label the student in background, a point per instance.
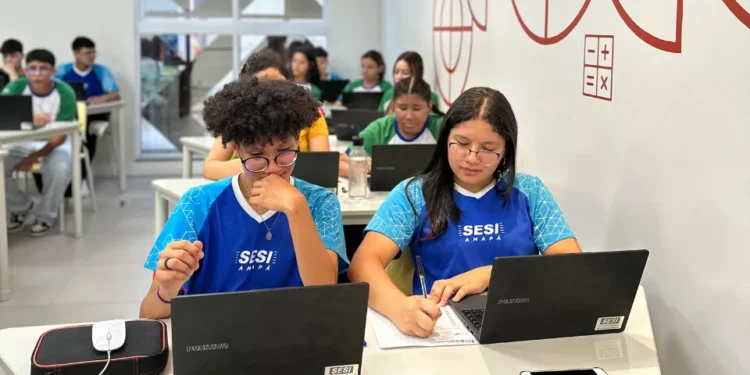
(305, 71)
(12, 67)
(99, 83)
(52, 101)
(412, 122)
(467, 207)
(408, 64)
(262, 228)
(373, 72)
(265, 65)
(321, 59)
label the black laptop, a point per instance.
(362, 100)
(350, 122)
(312, 330)
(550, 296)
(79, 88)
(392, 164)
(318, 168)
(14, 110)
(332, 89)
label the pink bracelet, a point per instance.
(160, 298)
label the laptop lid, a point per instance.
(15, 109)
(318, 168)
(350, 122)
(362, 100)
(332, 89)
(79, 88)
(549, 296)
(392, 164)
(274, 331)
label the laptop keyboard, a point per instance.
(474, 316)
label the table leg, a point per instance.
(161, 214)
(4, 268)
(187, 162)
(122, 167)
(76, 185)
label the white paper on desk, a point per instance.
(448, 332)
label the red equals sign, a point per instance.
(590, 80)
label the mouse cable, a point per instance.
(109, 353)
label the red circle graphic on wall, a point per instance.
(453, 24)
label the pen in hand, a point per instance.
(422, 280)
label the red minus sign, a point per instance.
(590, 77)
(589, 83)
(591, 51)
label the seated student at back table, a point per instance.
(305, 71)
(98, 82)
(265, 65)
(373, 74)
(52, 101)
(466, 208)
(409, 64)
(412, 122)
(12, 67)
(321, 60)
(262, 228)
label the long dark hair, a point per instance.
(412, 86)
(313, 74)
(414, 60)
(378, 58)
(438, 178)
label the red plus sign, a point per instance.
(605, 52)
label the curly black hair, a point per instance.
(263, 60)
(252, 111)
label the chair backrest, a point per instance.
(81, 114)
(401, 272)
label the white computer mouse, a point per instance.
(108, 335)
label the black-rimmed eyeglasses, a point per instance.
(257, 164)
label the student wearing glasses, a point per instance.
(51, 101)
(264, 65)
(467, 207)
(259, 229)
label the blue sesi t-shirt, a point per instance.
(237, 255)
(528, 224)
(96, 81)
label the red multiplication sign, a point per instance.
(598, 62)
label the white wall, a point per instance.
(53, 25)
(665, 165)
(356, 26)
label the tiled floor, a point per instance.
(58, 279)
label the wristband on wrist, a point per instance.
(160, 297)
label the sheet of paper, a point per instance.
(449, 331)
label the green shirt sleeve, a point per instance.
(387, 96)
(435, 100)
(67, 102)
(16, 87)
(385, 85)
(352, 85)
(316, 92)
(375, 133)
(434, 122)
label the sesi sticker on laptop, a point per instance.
(609, 323)
(342, 370)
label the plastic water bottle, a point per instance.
(357, 169)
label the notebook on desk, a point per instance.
(15, 110)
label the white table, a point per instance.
(52, 130)
(202, 145)
(632, 352)
(109, 107)
(353, 212)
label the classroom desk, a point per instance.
(202, 145)
(119, 134)
(52, 130)
(353, 212)
(632, 352)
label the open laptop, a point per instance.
(14, 110)
(332, 89)
(392, 164)
(79, 88)
(550, 296)
(318, 168)
(350, 122)
(362, 100)
(306, 330)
